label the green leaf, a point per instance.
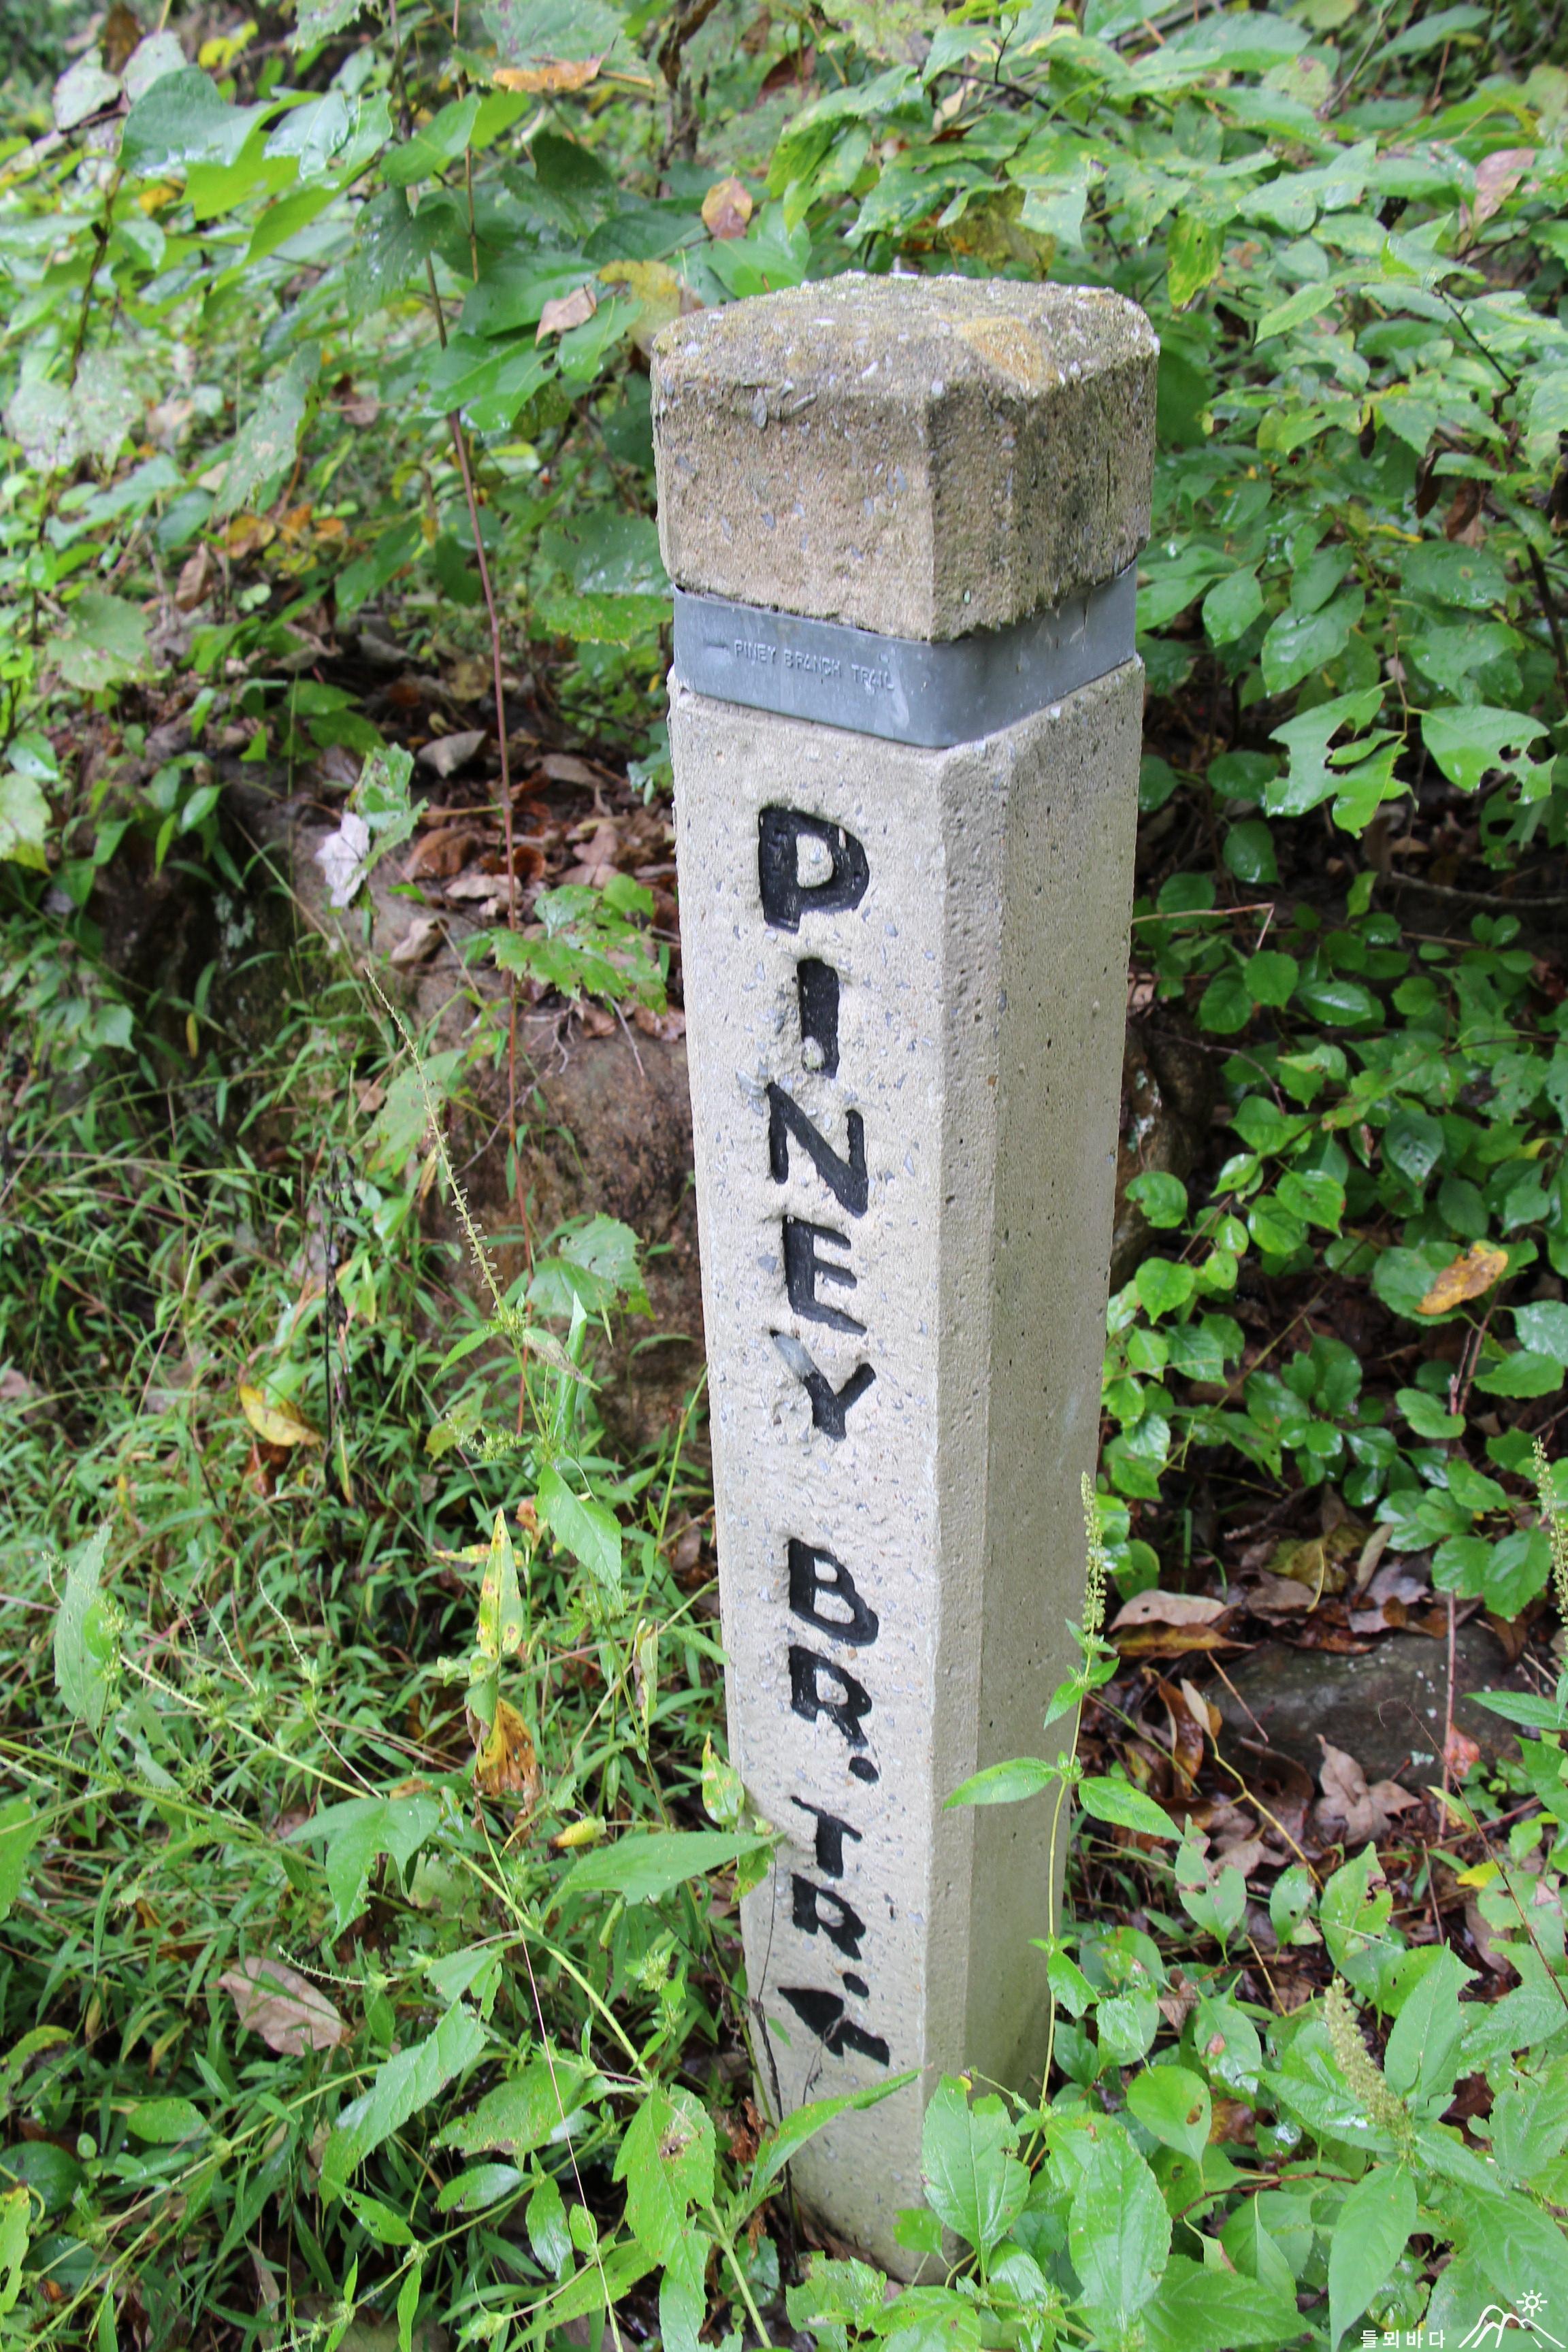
(20, 1830)
(1231, 607)
(1297, 308)
(105, 642)
(526, 2112)
(805, 2122)
(24, 821)
(1370, 2234)
(1423, 2058)
(1249, 851)
(182, 120)
(1226, 1005)
(1195, 2309)
(1523, 1374)
(1299, 643)
(358, 1833)
(589, 1530)
(649, 1864)
(15, 2209)
(1162, 1197)
(666, 2162)
(87, 1634)
(1271, 976)
(403, 2084)
(1117, 1803)
(537, 32)
(1333, 999)
(1542, 1327)
(1119, 2231)
(1161, 1284)
(1193, 255)
(442, 140)
(973, 2178)
(1174, 2105)
(264, 447)
(1471, 742)
(1006, 1784)
(166, 2122)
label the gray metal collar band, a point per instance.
(902, 688)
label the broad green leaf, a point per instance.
(105, 642)
(358, 1833)
(24, 821)
(588, 1529)
(807, 2122)
(1231, 607)
(666, 2162)
(1542, 1327)
(166, 2122)
(1192, 257)
(264, 446)
(87, 1634)
(1119, 1802)
(1119, 2231)
(1006, 1784)
(973, 2178)
(427, 153)
(1521, 1374)
(1297, 309)
(1299, 643)
(86, 88)
(403, 2084)
(15, 2211)
(1195, 2309)
(1471, 742)
(182, 120)
(1371, 2231)
(529, 2110)
(1174, 2105)
(20, 1830)
(647, 1866)
(1422, 2060)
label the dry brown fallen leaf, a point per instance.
(283, 2007)
(567, 310)
(1497, 177)
(276, 1424)
(448, 753)
(1365, 1811)
(417, 941)
(726, 209)
(1471, 1274)
(1278, 1596)
(1167, 1609)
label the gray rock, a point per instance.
(1386, 1709)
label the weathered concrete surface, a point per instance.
(921, 457)
(895, 1596)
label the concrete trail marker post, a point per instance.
(901, 516)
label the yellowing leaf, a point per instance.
(275, 1424)
(551, 74)
(504, 1761)
(1470, 1274)
(726, 209)
(500, 1601)
(587, 1832)
(659, 294)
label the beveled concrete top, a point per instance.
(918, 456)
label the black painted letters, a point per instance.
(846, 1178)
(807, 1586)
(780, 831)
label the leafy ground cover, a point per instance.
(369, 1862)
